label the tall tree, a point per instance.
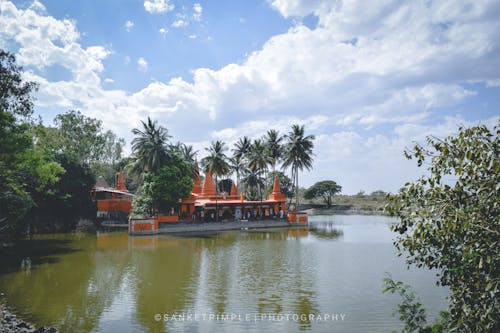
(188, 153)
(298, 154)
(236, 165)
(454, 226)
(274, 148)
(150, 147)
(254, 182)
(25, 173)
(162, 191)
(240, 151)
(242, 147)
(82, 139)
(217, 163)
(258, 160)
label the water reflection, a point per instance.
(112, 282)
(327, 230)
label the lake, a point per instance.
(328, 278)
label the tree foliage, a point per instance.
(325, 189)
(163, 190)
(150, 147)
(411, 311)
(449, 220)
(24, 172)
(82, 139)
(298, 154)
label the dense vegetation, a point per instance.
(46, 173)
(449, 220)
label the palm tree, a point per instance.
(242, 147)
(298, 154)
(240, 151)
(216, 163)
(252, 178)
(236, 165)
(188, 153)
(257, 158)
(150, 147)
(274, 148)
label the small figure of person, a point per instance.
(282, 214)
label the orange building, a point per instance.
(113, 204)
(205, 205)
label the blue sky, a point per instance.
(367, 78)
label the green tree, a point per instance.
(15, 94)
(274, 148)
(449, 220)
(150, 147)
(257, 162)
(163, 190)
(82, 139)
(325, 189)
(236, 165)
(217, 163)
(254, 182)
(172, 183)
(240, 151)
(298, 154)
(24, 172)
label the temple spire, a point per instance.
(276, 186)
(121, 182)
(234, 191)
(208, 185)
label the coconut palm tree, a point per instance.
(253, 180)
(240, 151)
(188, 153)
(274, 148)
(216, 163)
(236, 165)
(257, 157)
(242, 147)
(298, 154)
(150, 147)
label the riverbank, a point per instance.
(213, 227)
(9, 323)
(348, 211)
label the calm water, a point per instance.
(115, 283)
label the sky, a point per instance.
(367, 78)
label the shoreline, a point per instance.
(211, 227)
(10, 323)
(352, 211)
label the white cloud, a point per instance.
(129, 25)
(38, 6)
(163, 31)
(197, 11)
(142, 64)
(393, 64)
(158, 6)
(180, 23)
(193, 36)
(109, 80)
